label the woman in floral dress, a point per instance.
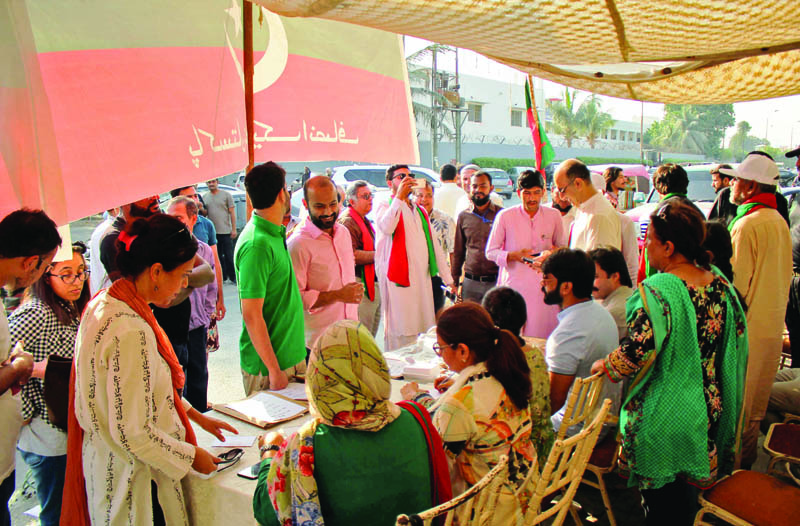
(687, 354)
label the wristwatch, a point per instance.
(271, 447)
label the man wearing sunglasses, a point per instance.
(28, 242)
(407, 256)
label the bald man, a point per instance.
(596, 223)
(323, 261)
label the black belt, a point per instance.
(482, 279)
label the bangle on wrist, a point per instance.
(265, 449)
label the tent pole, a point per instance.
(248, 89)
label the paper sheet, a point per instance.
(396, 367)
(295, 391)
(267, 408)
(232, 440)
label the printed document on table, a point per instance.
(295, 391)
(266, 407)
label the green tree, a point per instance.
(691, 128)
(565, 121)
(709, 119)
(593, 122)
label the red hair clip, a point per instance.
(127, 239)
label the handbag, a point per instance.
(56, 389)
(212, 336)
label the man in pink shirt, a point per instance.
(323, 261)
(528, 231)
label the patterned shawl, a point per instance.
(348, 386)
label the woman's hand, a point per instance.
(39, 369)
(443, 382)
(204, 462)
(214, 425)
(410, 390)
(273, 438)
(597, 366)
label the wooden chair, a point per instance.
(473, 507)
(750, 498)
(783, 446)
(581, 403)
(563, 472)
(602, 462)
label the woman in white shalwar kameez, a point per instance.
(135, 438)
(407, 311)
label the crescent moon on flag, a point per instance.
(273, 62)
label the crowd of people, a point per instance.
(539, 294)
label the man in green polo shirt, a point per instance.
(272, 340)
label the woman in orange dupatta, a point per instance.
(129, 440)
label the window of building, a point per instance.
(638, 137)
(632, 136)
(517, 118)
(613, 134)
(475, 112)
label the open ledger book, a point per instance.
(263, 409)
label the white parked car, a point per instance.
(374, 174)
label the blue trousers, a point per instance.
(195, 390)
(49, 475)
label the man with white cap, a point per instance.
(762, 270)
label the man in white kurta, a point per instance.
(597, 223)
(407, 311)
(124, 402)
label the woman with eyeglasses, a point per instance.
(129, 439)
(47, 324)
(687, 356)
(485, 413)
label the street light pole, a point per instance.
(434, 114)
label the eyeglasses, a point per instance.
(366, 197)
(438, 348)
(562, 190)
(229, 458)
(70, 279)
(402, 176)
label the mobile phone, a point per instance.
(251, 472)
(448, 294)
(530, 259)
(419, 183)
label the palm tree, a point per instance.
(680, 132)
(593, 121)
(565, 121)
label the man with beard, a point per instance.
(28, 243)
(564, 206)
(472, 233)
(762, 273)
(407, 255)
(464, 202)
(521, 237)
(322, 256)
(143, 208)
(586, 331)
(271, 342)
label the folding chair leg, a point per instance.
(606, 500)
